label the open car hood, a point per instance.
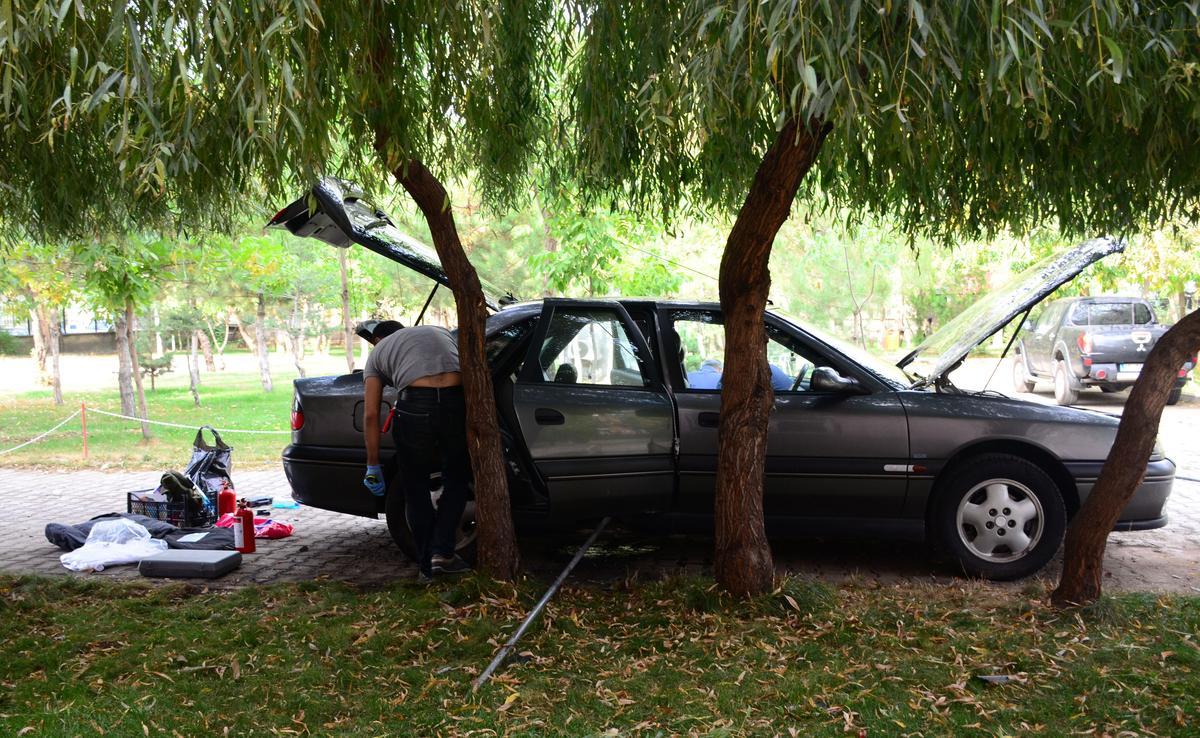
(947, 347)
(340, 216)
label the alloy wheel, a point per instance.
(1000, 520)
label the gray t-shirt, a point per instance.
(412, 353)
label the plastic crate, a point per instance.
(181, 514)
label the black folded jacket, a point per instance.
(71, 537)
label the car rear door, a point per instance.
(594, 413)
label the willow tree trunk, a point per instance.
(742, 560)
(498, 553)
(41, 338)
(158, 342)
(54, 346)
(137, 372)
(124, 367)
(550, 243)
(1083, 559)
(206, 348)
(296, 335)
(260, 343)
(194, 366)
(248, 334)
(347, 327)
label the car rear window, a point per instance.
(1110, 313)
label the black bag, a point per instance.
(210, 465)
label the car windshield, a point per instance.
(860, 356)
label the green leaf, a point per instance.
(809, 76)
(1118, 58)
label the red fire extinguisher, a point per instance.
(243, 532)
(226, 500)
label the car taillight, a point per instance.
(1085, 343)
(297, 415)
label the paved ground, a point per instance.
(359, 550)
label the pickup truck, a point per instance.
(1083, 342)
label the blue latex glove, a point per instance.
(374, 480)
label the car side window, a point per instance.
(589, 346)
(701, 337)
(1048, 320)
(503, 346)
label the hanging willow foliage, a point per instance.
(118, 112)
(955, 118)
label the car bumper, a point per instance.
(1146, 508)
(1111, 375)
(330, 478)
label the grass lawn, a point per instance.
(88, 658)
(229, 399)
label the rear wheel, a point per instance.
(397, 523)
(1066, 386)
(999, 516)
(1022, 382)
(1175, 396)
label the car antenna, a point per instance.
(427, 301)
(1008, 346)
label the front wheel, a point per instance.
(1175, 396)
(999, 516)
(1022, 382)
(397, 523)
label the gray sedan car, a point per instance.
(611, 407)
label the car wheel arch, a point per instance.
(1030, 452)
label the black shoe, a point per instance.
(452, 564)
(423, 578)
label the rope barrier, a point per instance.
(180, 425)
(37, 438)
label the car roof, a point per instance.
(1102, 299)
(651, 302)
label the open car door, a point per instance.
(594, 412)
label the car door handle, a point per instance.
(709, 420)
(547, 416)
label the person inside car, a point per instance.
(429, 424)
(708, 376)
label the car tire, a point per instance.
(1066, 386)
(1022, 382)
(1175, 396)
(1016, 498)
(397, 523)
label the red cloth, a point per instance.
(263, 527)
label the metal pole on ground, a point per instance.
(537, 609)
(83, 416)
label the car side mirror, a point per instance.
(825, 379)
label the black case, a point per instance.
(189, 563)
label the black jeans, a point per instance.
(430, 431)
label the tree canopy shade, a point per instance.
(189, 110)
(952, 119)
(183, 109)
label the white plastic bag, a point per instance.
(113, 542)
